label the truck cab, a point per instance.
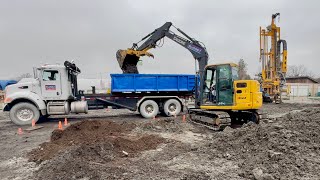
(53, 91)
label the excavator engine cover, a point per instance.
(127, 62)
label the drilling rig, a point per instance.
(273, 58)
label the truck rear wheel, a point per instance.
(23, 113)
(172, 107)
(149, 109)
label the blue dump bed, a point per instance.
(152, 83)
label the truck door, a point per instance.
(50, 84)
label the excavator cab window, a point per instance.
(209, 94)
(235, 75)
(225, 78)
(218, 85)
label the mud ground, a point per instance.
(119, 144)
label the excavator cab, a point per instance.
(226, 100)
(223, 90)
(218, 86)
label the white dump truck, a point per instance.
(54, 91)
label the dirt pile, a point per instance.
(74, 152)
(288, 148)
(82, 133)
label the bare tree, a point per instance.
(242, 72)
(25, 75)
(299, 70)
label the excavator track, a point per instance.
(214, 120)
(218, 120)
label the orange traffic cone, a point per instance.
(184, 118)
(66, 122)
(60, 126)
(20, 131)
(33, 123)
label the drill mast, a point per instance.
(274, 60)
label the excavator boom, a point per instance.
(129, 58)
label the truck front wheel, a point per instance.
(149, 109)
(172, 107)
(23, 113)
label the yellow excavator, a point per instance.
(273, 59)
(220, 98)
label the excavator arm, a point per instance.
(129, 58)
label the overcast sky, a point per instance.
(34, 32)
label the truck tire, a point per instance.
(149, 109)
(23, 113)
(172, 107)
